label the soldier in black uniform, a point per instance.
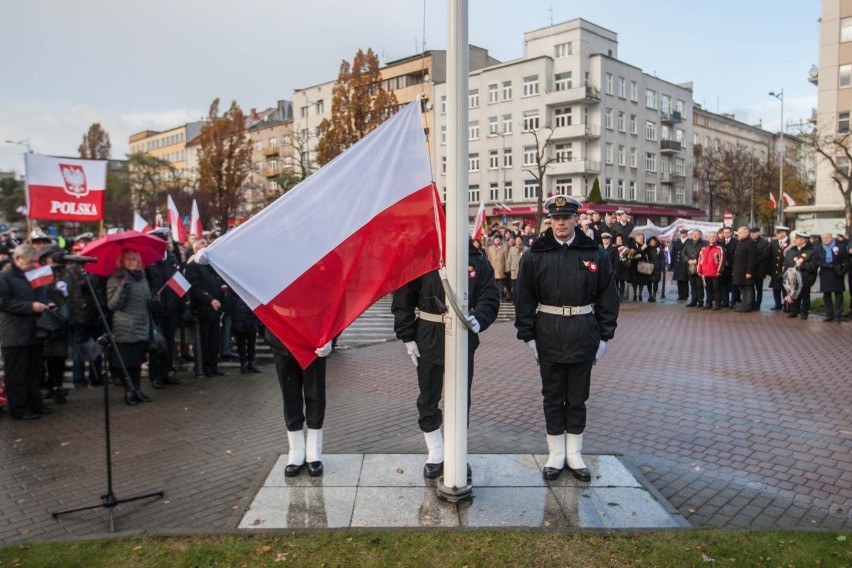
(680, 272)
(566, 309)
(799, 256)
(166, 307)
(424, 341)
(777, 247)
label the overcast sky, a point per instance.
(155, 64)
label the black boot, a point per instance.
(252, 367)
(130, 398)
(59, 395)
(141, 396)
(244, 368)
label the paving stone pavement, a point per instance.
(739, 420)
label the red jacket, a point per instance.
(711, 261)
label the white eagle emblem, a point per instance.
(75, 180)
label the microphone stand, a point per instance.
(107, 341)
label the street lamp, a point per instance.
(780, 96)
(24, 142)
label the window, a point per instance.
(608, 83)
(845, 79)
(473, 98)
(634, 92)
(531, 120)
(320, 106)
(564, 152)
(288, 161)
(650, 192)
(665, 104)
(622, 88)
(493, 192)
(258, 145)
(619, 193)
(667, 194)
(665, 133)
(845, 30)
(492, 125)
(530, 189)
(634, 124)
(679, 106)
(493, 159)
(286, 139)
(650, 130)
(443, 135)
(562, 50)
(507, 157)
(842, 122)
(473, 130)
(273, 142)
(473, 163)
(609, 153)
(507, 90)
(608, 187)
(507, 191)
(529, 155)
(665, 165)
(444, 104)
(473, 194)
(507, 124)
(258, 167)
(651, 99)
(563, 186)
(680, 195)
(562, 116)
(680, 167)
(650, 162)
(608, 119)
(562, 81)
(493, 93)
(620, 122)
(634, 159)
(303, 112)
(444, 165)
(679, 136)
(621, 161)
(530, 85)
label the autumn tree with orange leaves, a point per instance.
(359, 104)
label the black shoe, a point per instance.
(171, 381)
(841, 319)
(117, 381)
(130, 399)
(26, 416)
(433, 470)
(45, 410)
(793, 315)
(244, 369)
(691, 305)
(717, 308)
(217, 372)
(699, 305)
(293, 470)
(157, 384)
(826, 320)
(253, 368)
(315, 468)
(582, 474)
(803, 316)
(141, 396)
(775, 308)
(707, 307)
(59, 395)
(551, 473)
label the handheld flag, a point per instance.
(479, 222)
(179, 284)
(175, 225)
(195, 224)
(41, 276)
(65, 189)
(362, 226)
(140, 224)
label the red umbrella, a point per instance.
(109, 248)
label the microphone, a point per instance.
(79, 259)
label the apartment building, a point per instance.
(609, 120)
(169, 145)
(273, 152)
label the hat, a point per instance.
(87, 236)
(619, 212)
(782, 228)
(754, 230)
(682, 231)
(591, 212)
(803, 234)
(606, 236)
(562, 205)
(516, 222)
(161, 232)
(54, 251)
(37, 235)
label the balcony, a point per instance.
(574, 167)
(270, 151)
(589, 95)
(272, 172)
(671, 178)
(577, 131)
(670, 146)
(670, 117)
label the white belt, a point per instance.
(565, 310)
(437, 318)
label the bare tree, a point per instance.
(708, 177)
(543, 159)
(96, 144)
(836, 149)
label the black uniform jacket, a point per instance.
(776, 260)
(427, 294)
(578, 274)
(206, 287)
(807, 268)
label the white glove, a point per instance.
(413, 351)
(531, 345)
(601, 349)
(474, 325)
(323, 351)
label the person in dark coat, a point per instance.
(423, 337)
(743, 268)
(680, 272)
(55, 350)
(800, 257)
(206, 294)
(691, 251)
(730, 292)
(622, 226)
(653, 253)
(166, 308)
(244, 327)
(761, 268)
(832, 261)
(777, 248)
(639, 280)
(86, 324)
(610, 249)
(566, 309)
(20, 307)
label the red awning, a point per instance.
(645, 210)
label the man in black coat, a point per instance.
(20, 306)
(743, 269)
(831, 259)
(691, 250)
(761, 268)
(424, 341)
(622, 226)
(800, 257)
(730, 292)
(776, 263)
(566, 309)
(206, 294)
(680, 269)
(166, 307)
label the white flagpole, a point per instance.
(454, 486)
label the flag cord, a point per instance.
(451, 298)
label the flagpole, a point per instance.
(454, 486)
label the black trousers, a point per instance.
(778, 295)
(55, 371)
(160, 364)
(833, 309)
(303, 392)
(682, 289)
(729, 291)
(246, 342)
(23, 368)
(696, 286)
(210, 339)
(713, 286)
(746, 297)
(430, 378)
(565, 388)
(802, 304)
(758, 294)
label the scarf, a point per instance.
(829, 255)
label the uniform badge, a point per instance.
(471, 272)
(560, 202)
(590, 265)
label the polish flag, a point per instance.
(140, 224)
(65, 189)
(178, 284)
(175, 225)
(788, 200)
(362, 226)
(158, 221)
(772, 201)
(195, 224)
(480, 221)
(40, 276)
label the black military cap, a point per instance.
(562, 205)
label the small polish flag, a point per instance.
(158, 221)
(175, 225)
(140, 224)
(179, 284)
(772, 201)
(365, 224)
(40, 276)
(788, 200)
(479, 222)
(195, 224)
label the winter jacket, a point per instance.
(761, 268)
(165, 303)
(497, 258)
(711, 261)
(745, 262)
(679, 267)
(831, 274)
(807, 267)
(17, 319)
(514, 261)
(206, 287)
(555, 274)
(128, 295)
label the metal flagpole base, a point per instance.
(454, 494)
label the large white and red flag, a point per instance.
(176, 227)
(479, 222)
(195, 224)
(67, 189)
(140, 224)
(362, 226)
(787, 199)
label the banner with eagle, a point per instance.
(65, 189)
